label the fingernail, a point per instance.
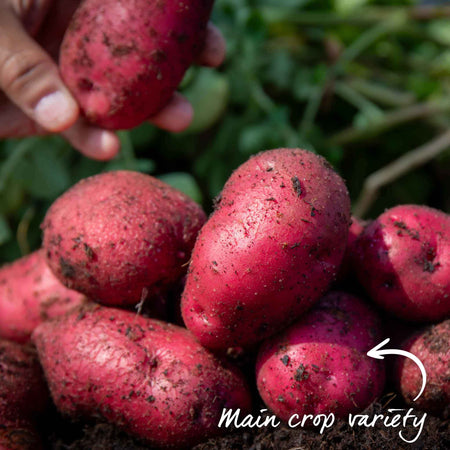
(56, 111)
(102, 145)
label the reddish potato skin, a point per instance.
(120, 235)
(403, 261)
(319, 364)
(23, 395)
(347, 267)
(269, 251)
(124, 59)
(151, 378)
(432, 347)
(30, 294)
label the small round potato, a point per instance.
(432, 347)
(403, 261)
(319, 364)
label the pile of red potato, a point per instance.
(86, 316)
(260, 274)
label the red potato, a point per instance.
(121, 236)
(347, 266)
(30, 294)
(432, 347)
(124, 59)
(319, 364)
(269, 251)
(403, 261)
(152, 379)
(23, 396)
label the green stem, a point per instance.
(391, 120)
(268, 106)
(366, 39)
(353, 97)
(381, 94)
(321, 19)
(260, 97)
(311, 110)
(127, 150)
(22, 231)
(369, 37)
(367, 17)
(396, 169)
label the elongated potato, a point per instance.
(152, 379)
(270, 249)
(124, 59)
(30, 294)
(120, 237)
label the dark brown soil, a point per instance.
(62, 435)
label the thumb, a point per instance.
(30, 78)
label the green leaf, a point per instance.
(86, 168)
(138, 165)
(346, 6)
(126, 160)
(44, 171)
(208, 95)
(281, 68)
(5, 230)
(440, 30)
(185, 183)
(303, 83)
(142, 135)
(421, 85)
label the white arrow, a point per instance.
(378, 354)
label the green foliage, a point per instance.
(184, 182)
(335, 76)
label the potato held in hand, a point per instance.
(270, 249)
(119, 236)
(151, 378)
(124, 59)
(29, 294)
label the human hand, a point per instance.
(33, 97)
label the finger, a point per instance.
(214, 50)
(14, 123)
(31, 13)
(30, 78)
(176, 116)
(92, 142)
